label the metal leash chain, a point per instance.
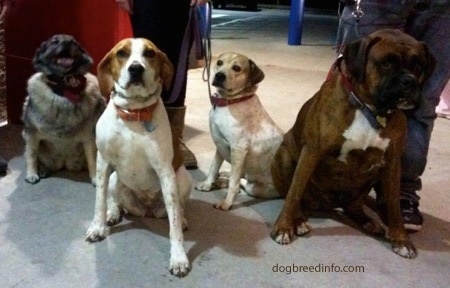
(357, 14)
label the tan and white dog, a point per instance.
(244, 133)
(134, 163)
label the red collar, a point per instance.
(70, 86)
(222, 102)
(141, 115)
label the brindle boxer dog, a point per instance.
(350, 136)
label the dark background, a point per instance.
(325, 4)
(320, 4)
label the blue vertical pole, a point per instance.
(296, 22)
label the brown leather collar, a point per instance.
(142, 115)
(222, 102)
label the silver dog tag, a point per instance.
(149, 126)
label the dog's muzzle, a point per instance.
(219, 79)
(410, 86)
(68, 57)
(401, 92)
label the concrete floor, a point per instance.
(42, 226)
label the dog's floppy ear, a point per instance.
(166, 70)
(256, 74)
(104, 74)
(355, 57)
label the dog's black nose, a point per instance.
(219, 78)
(136, 69)
(408, 81)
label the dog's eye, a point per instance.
(390, 62)
(386, 64)
(219, 63)
(150, 53)
(236, 68)
(122, 54)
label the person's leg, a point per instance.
(164, 23)
(432, 26)
(373, 15)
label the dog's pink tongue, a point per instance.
(72, 97)
(65, 61)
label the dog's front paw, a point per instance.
(32, 179)
(203, 186)
(179, 264)
(283, 231)
(96, 232)
(302, 227)
(404, 248)
(113, 217)
(223, 205)
(282, 236)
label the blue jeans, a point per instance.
(427, 21)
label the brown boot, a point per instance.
(182, 153)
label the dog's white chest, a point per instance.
(361, 135)
(135, 153)
(241, 125)
(245, 126)
(223, 125)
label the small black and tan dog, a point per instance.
(60, 112)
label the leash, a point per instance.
(192, 34)
(207, 45)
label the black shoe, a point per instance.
(3, 166)
(409, 206)
(412, 218)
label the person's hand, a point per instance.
(126, 5)
(4, 6)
